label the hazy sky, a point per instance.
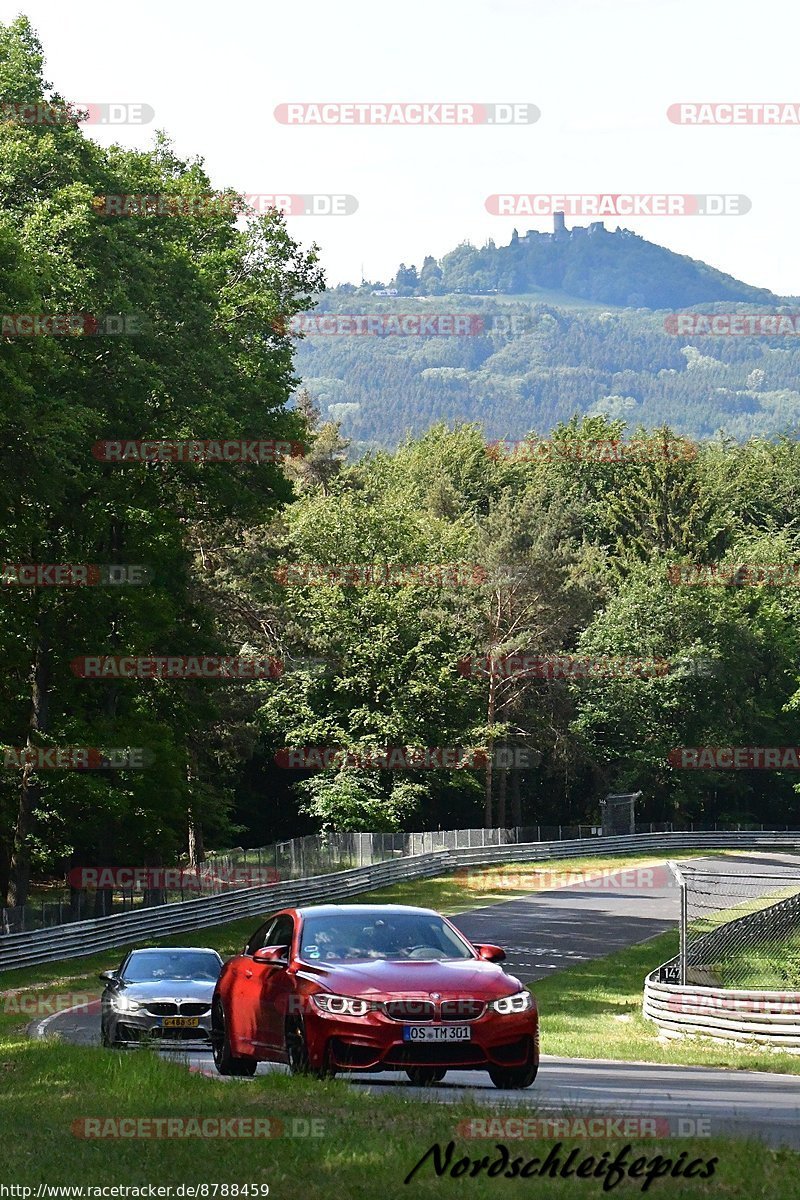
(602, 73)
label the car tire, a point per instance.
(298, 1056)
(513, 1078)
(425, 1076)
(224, 1060)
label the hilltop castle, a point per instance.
(561, 233)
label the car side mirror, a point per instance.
(108, 976)
(275, 956)
(491, 953)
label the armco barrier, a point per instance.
(729, 1014)
(733, 1015)
(87, 937)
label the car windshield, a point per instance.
(149, 966)
(396, 936)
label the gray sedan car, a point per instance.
(161, 995)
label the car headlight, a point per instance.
(518, 1003)
(342, 1005)
(123, 1003)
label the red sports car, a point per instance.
(385, 987)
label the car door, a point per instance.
(274, 983)
(241, 990)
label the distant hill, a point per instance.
(570, 322)
(586, 262)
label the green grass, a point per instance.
(772, 967)
(367, 1146)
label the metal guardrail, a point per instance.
(82, 938)
(730, 1014)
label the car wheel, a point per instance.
(225, 1062)
(425, 1076)
(297, 1054)
(512, 1078)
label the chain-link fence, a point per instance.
(740, 930)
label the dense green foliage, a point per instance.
(557, 556)
(205, 361)
(540, 358)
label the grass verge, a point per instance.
(363, 1149)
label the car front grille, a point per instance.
(461, 1010)
(169, 1008)
(410, 1010)
(426, 1010)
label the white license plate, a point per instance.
(436, 1033)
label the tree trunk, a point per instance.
(516, 798)
(4, 870)
(487, 810)
(20, 873)
(197, 853)
(501, 797)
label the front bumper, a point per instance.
(376, 1043)
(133, 1029)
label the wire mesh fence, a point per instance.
(740, 930)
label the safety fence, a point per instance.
(696, 992)
(88, 937)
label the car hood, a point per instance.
(171, 989)
(473, 978)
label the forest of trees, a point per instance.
(533, 365)
(559, 555)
